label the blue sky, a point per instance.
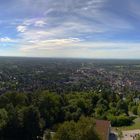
(70, 28)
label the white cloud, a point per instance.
(40, 23)
(50, 44)
(6, 40)
(21, 28)
(37, 22)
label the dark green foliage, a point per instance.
(122, 107)
(84, 129)
(49, 107)
(3, 118)
(120, 120)
(26, 116)
(134, 110)
(32, 124)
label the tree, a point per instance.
(14, 125)
(99, 113)
(3, 121)
(120, 120)
(122, 107)
(84, 129)
(49, 107)
(3, 118)
(134, 110)
(32, 123)
(67, 131)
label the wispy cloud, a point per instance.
(98, 27)
(6, 40)
(21, 28)
(40, 23)
(50, 44)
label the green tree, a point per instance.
(67, 131)
(3, 118)
(122, 107)
(99, 112)
(134, 110)
(49, 107)
(32, 123)
(84, 129)
(119, 120)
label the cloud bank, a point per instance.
(72, 28)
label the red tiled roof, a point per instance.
(102, 128)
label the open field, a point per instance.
(135, 125)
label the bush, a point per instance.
(134, 110)
(120, 120)
(84, 129)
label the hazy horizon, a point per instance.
(77, 58)
(95, 29)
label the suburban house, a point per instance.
(103, 128)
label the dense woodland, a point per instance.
(40, 96)
(29, 115)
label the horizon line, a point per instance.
(70, 58)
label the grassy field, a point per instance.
(135, 125)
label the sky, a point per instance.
(70, 28)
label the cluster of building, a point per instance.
(117, 80)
